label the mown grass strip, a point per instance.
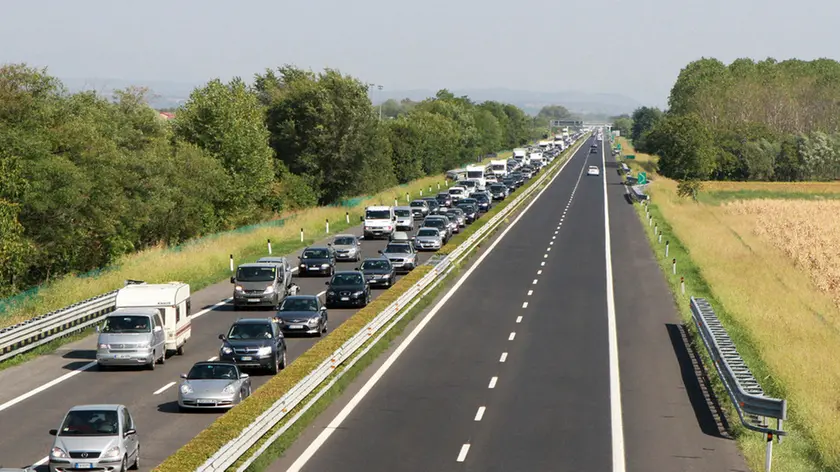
(797, 453)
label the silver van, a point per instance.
(131, 336)
(259, 284)
(95, 437)
(283, 263)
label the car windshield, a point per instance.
(347, 279)
(212, 372)
(376, 265)
(467, 208)
(481, 197)
(90, 423)
(418, 204)
(403, 213)
(299, 304)
(378, 215)
(443, 196)
(344, 241)
(427, 232)
(127, 324)
(435, 223)
(468, 183)
(250, 331)
(316, 254)
(397, 249)
(256, 274)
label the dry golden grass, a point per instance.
(781, 187)
(750, 253)
(642, 162)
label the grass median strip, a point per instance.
(717, 263)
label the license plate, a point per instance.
(83, 465)
(314, 268)
(246, 358)
(206, 402)
(122, 356)
(345, 299)
(253, 300)
(296, 326)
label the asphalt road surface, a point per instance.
(36, 395)
(517, 368)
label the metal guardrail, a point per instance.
(28, 335)
(753, 406)
(235, 449)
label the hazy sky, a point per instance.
(635, 48)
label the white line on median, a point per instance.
(493, 381)
(322, 438)
(617, 422)
(480, 413)
(463, 454)
(503, 357)
(211, 308)
(512, 336)
(162, 389)
(321, 293)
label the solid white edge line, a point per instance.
(480, 413)
(213, 359)
(503, 357)
(492, 383)
(47, 385)
(616, 416)
(319, 441)
(162, 389)
(463, 454)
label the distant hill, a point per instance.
(166, 94)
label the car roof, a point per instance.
(213, 363)
(271, 259)
(403, 207)
(345, 236)
(98, 406)
(380, 207)
(316, 247)
(257, 264)
(419, 201)
(252, 321)
(377, 258)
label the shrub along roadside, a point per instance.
(797, 453)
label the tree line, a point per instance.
(85, 179)
(765, 121)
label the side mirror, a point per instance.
(158, 329)
(358, 268)
(379, 251)
(53, 432)
(323, 308)
(361, 218)
(130, 432)
(244, 376)
(222, 337)
(326, 283)
(183, 376)
(233, 280)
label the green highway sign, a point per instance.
(630, 156)
(642, 178)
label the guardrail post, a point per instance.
(667, 243)
(269, 247)
(231, 262)
(328, 226)
(674, 262)
(301, 235)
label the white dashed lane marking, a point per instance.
(492, 383)
(512, 336)
(503, 357)
(480, 413)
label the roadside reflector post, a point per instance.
(406, 197)
(438, 185)
(682, 285)
(430, 188)
(667, 244)
(347, 217)
(674, 266)
(231, 262)
(768, 453)
(655, 229)
(396, 202)
(660, 238)
(301, 235)
(269, 247)
(328, 226)
(421, 192)
(650, 220)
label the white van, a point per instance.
(172, 300)
(380, 221)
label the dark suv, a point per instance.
(317, 260)
(348, 288)
(254, 342)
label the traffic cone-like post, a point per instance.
(269, 247)
(231, 262)
(674, 266)
(328, 226)
(347, 217)
(667, 244)
(682, 285)
(301, 235)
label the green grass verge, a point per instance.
(797, 452)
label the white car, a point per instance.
(593, 170)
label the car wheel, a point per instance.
(163, 357)
(275, 366)
(283, 362)
(136, 465)
(319, 333)
(325, 326)
(151, 365)
(180, 350)
(124, 464)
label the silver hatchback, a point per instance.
(98, 437)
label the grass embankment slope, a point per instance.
(205, 261)
(768, 257)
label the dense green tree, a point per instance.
(623, 124)
(685, 147)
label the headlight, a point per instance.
(104, 346)
(330, 293)
(186, 389)
(264, 351)
(238, 288)
(352, 250)
(111, 453)
(226, 350)
(143, 346)
(313, 321)
(269, 289)
(358, 293)
(324, 266)
(229, 390)
(58, 453)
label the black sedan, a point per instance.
(483, 201)
(379, 272)
(302, 314)
(317, 261)
(348, 288)
(470, 211)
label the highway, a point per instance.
(36, 395)
(556, 351)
